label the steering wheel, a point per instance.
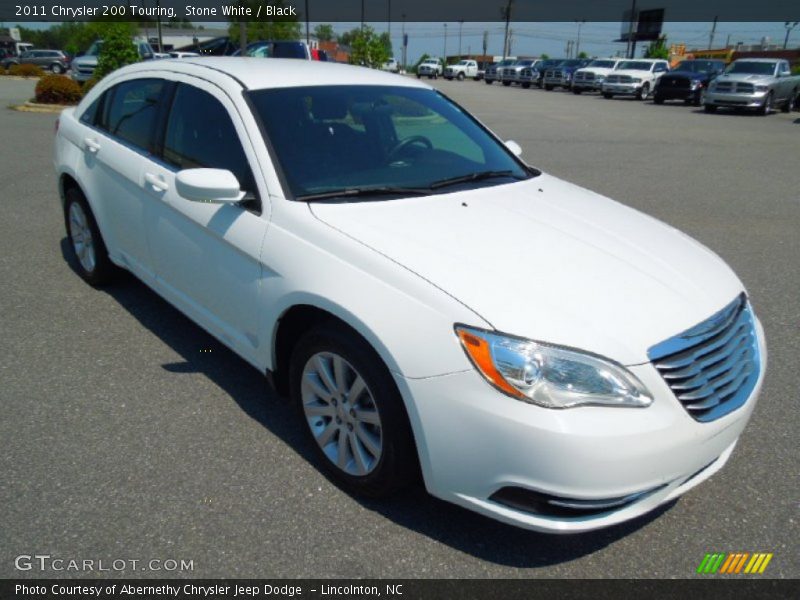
(403, 144)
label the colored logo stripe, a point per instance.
(730, 564)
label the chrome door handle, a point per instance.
(91, 145)
(159, 185)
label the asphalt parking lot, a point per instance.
(129, 433)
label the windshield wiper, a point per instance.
(366, 191)
(474, 177)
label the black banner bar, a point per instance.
(338, 11)
(711, 588)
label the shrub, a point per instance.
(796, 70)
(26, 71)
(118, 49)
(57, 89)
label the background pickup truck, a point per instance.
(755, 83)
(464, 68)
(430, 68)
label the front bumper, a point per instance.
(474, 442)
(81, 76)
(557, 81)
(670, 93)
(623, 89)
(736, 100)
(588, 86)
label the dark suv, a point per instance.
(688, 81)
(50, 60)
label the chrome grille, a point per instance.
(724, 86)
(581, 76)
(619, 79)
(745, 88)
(713, 367)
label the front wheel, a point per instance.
(506, 83)
(643, 92)
(608, 95)
(460, 76)
(576, 91)
(353, 412)
(710, 108)
(658, 98)
(549, 88)
(700, 97)
(766, 108)
(526, 85)
(87, 244)
(489, 81)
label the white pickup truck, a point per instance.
(635, 78)
(462, 69)
(430, 68)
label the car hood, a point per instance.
(84, 61)
(632, 73)
(597, 70)
(745, 77)
(550, 261)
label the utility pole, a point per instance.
(578, 44)
(389, 22)
(507, 14)
(631, 39)
(460, 26)
(789, 26)
(711, 37)
(308, 34)
(158, 26)
(444, 56)
(242, 33)
(485, 42)
(362, 16)
(405, 42)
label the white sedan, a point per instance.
(433, 305)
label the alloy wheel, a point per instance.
(341, 413)
(81, 236)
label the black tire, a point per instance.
(788, 106)
(608, 95)
(576, 91)
(489, 81)
(710, 108)
(435, 76)
(103, 270)
(419, 76)
(57, 68)
(658, 99)
(700, 97)
(506, 83)
(460, 76)
(643, 92)
(548, 87)
(526, 85)
(397, 466)
(766, 108)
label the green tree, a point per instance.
(368, 49)
(324, 32)
(657, 49)
(118, 49)
(386, 40)
(545, 56)
(582, 54)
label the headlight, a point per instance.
(550, 376)
(762, 88)
(600, 78)
(696, 83)
(636, 80)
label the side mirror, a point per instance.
(515, 148)
(218, 186)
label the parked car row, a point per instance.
(49, 60)
(761, 84)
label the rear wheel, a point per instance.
(353, 412)
(87, 244)
(56, 68)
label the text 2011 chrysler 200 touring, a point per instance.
(542, 354)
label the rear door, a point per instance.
(116, 142)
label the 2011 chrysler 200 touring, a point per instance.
(542, 354)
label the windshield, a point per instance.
(698, 66)
(635, 65)
(94, 49)
(752, 67)
(603, 64)
(463, 62)
(346, 137)
(505, 63)
(571, 63)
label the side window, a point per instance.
(200, 133)
(132, 111)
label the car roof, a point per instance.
(258, 73)
(764, 60)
